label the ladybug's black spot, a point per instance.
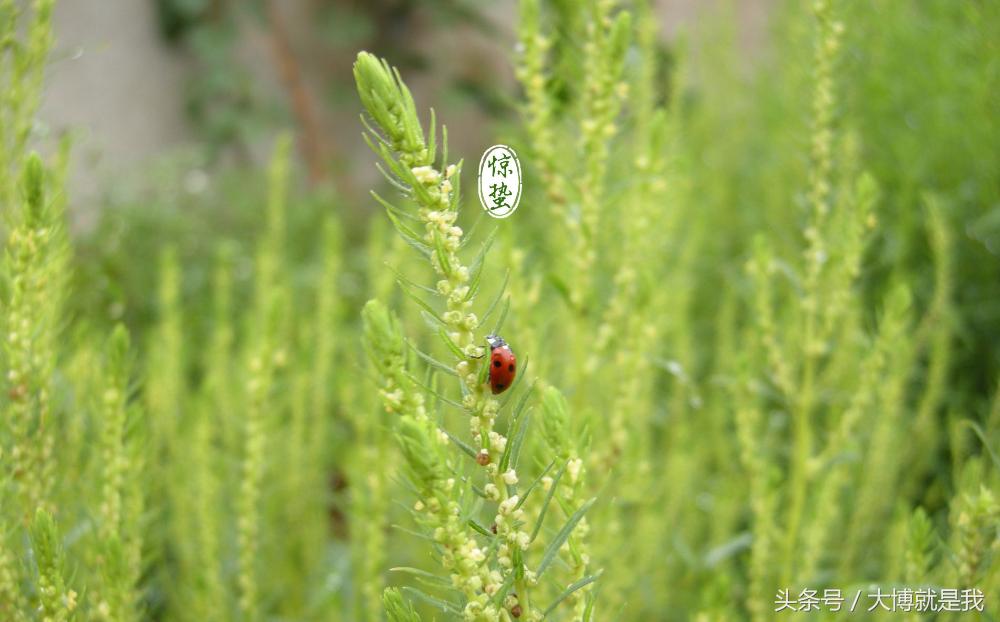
(496, 363)
(510, 367)
(499, 386)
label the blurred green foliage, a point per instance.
(767, 290)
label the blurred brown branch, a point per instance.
(310, 135)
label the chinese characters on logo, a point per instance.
(499, 181)
(896, 599)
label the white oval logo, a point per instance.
(499, 181)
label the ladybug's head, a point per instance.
(495, 341)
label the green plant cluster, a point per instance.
(751, 308)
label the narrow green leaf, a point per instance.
(493, 304)
(548, 499)
(504, 588)
(431, 144)
(411, 532)
(422, 303)
(456, 188)
(416, 244)
(478, 260)
(728, 549)
(402, 172)
(471, 502)
(529, 489)
(518, 441)
(494, 545)
(428, 577)
(376, 147)
(410, 283)
(510, 450)
(443, 334)
(562, 536)
(461, 444)
(477, 267)
(471, 232)
(392, 209)
(395, 183)
(482, 530)
(484, 369)
(588, 612)
(437, 394)
(431, 360)
(569, 590)
(560, 286)
(373, 132)
(503, 316)
(443, 605)
(518, 562)
(444, 145)
(417, 189)
(979, 432)
(441, 254)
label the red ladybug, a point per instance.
(503, 364)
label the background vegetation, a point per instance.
(755, 312)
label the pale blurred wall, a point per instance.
(121, 88)
(116, 85)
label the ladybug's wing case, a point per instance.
(503, 368)
(511, 363)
